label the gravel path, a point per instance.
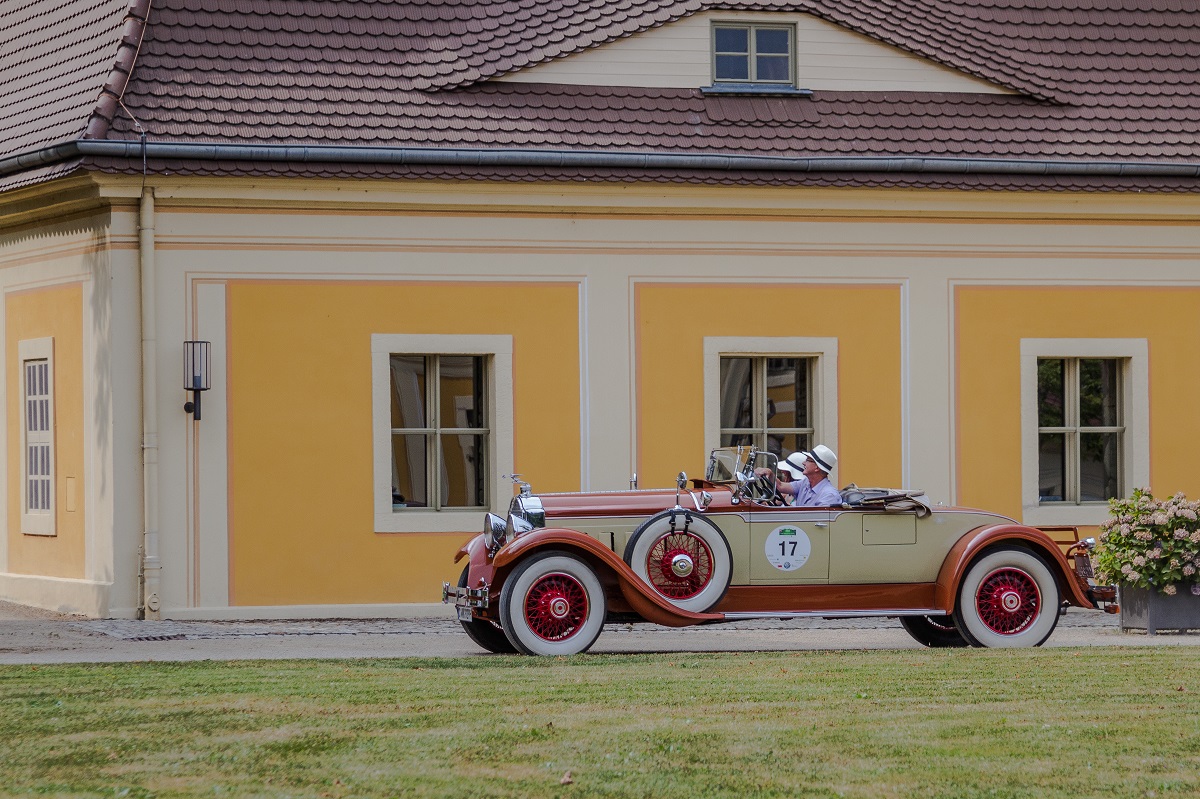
(35, 636)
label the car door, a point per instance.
(877, 546)
(789, 546)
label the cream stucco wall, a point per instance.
(679, 55)
(742, 262)
(60, 272)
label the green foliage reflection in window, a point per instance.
(1080, 429)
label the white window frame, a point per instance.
(823, 351)
(37, 522)
(499, 449)
(1135, 442)
(753, 80)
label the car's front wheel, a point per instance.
(1008, 597)
(552, 604)
(487, 634)
(684, 557)
(933, 631)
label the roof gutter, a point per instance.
(484, 157)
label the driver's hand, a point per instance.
(762, 471)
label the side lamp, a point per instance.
(195, 374)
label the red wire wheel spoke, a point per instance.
(556, 606)
(1008, 601)
(662, 557)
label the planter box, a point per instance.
(1144, 609)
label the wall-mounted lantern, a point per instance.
(195, 374)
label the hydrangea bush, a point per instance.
(1150, 543)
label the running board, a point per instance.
(833, 614)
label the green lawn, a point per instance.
(1105, 722)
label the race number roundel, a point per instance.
(788, 548)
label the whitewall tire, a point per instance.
(683, 557)
(552, 604)
(1008, 597)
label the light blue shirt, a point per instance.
(821, 495)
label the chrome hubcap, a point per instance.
(681, 565)
(559, 608)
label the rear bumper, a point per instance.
(1104, 597)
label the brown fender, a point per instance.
(640, 597)
(971, 544)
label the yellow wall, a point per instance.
(51, 312)
(990, 323)
(674, 319)
(300, 439)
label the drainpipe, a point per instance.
(150, 566)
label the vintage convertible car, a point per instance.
(545, 580)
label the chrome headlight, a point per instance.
(529, 508)
(493, 531)
(516, 525)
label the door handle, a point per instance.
(821, 524)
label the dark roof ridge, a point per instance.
(113, 90)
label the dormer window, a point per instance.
(753, 54)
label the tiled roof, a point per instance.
(1095, 80)
(64, 64)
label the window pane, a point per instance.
(409, 484)
(784, 444)
(462, 391)
(737, 439)
(772, 67)
(1098, 466)
(408, 391)
(462, 471)
(1098, 398)
(772, 40)
(733, 67)
(732, 40)
(787, 392)
(1052, 467)
(1050, 393)
(736, 393)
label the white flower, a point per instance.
(1138, 560)
(1169, 590)
(1189, 570)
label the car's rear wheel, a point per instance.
(484, 632)
(684, 557)
(933, 631)
(1008, 597)
(552, 604)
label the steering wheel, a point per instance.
(763, 488)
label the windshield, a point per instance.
(725, 464)
(737, 464)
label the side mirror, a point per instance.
(680, 484)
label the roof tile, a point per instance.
(1095, 79)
